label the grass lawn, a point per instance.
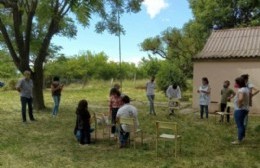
(49, 142)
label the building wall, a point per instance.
(218, 72)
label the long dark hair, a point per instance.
(114, 91)
(205, 79)
(82, 107)
(240, 81)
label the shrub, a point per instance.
(169, 74)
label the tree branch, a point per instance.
(17, 23)
(29, 23)
(9, 44)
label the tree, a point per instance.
(28, 26)
(169, 74)
(226, 13)
(151, 66)
(175, 46)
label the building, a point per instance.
(226, 55)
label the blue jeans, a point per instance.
(202, 109)
(240, 116)
(151, 99)
(24, 101)
(56, 99)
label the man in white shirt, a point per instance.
(126, 111)
(173, 92)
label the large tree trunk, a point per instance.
(38, 99)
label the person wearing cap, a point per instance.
(126, 111)
(24, 87)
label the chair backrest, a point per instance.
(99, 118)
(174, 102)
(130, 121)
(167, 126)
(230, 105)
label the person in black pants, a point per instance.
(82, 129)
(25, 86)
(226, 95)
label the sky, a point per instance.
(155, 17)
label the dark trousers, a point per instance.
(85, 136)
(113, 120)
(240, 116)
(223, 107)
(202, 109)
(123, 137)
(24, 101)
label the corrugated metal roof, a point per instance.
(232, 43)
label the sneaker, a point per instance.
(33, 119)
(235, 142)
(112, 135)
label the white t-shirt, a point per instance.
(173, 93)
(150, 86)
(204, 97)
(127, 111)
(245, 105)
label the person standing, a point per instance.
(226, 95)
(173, 92)
(241, 105)
(126, 111)
(25, 86)
(204, 99)
(150, 86)
(252, 92)
(56, 89)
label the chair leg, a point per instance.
(176, 147)
(156, 147)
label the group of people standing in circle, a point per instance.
(245, 91)
(242, 101)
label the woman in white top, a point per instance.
(150, 86)
(204, 91)
(241, 105)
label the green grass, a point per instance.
(49, 142)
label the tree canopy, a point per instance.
(28, 26)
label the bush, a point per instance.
(12, 83)
(169, 74)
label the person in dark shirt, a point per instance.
(83, 123)
(56, 89)
(226, 95)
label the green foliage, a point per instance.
(170, 74)
(226, 13)
(7, 68)
(89, 66)
(151, 66)
(175, 46)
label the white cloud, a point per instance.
(154, 7)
